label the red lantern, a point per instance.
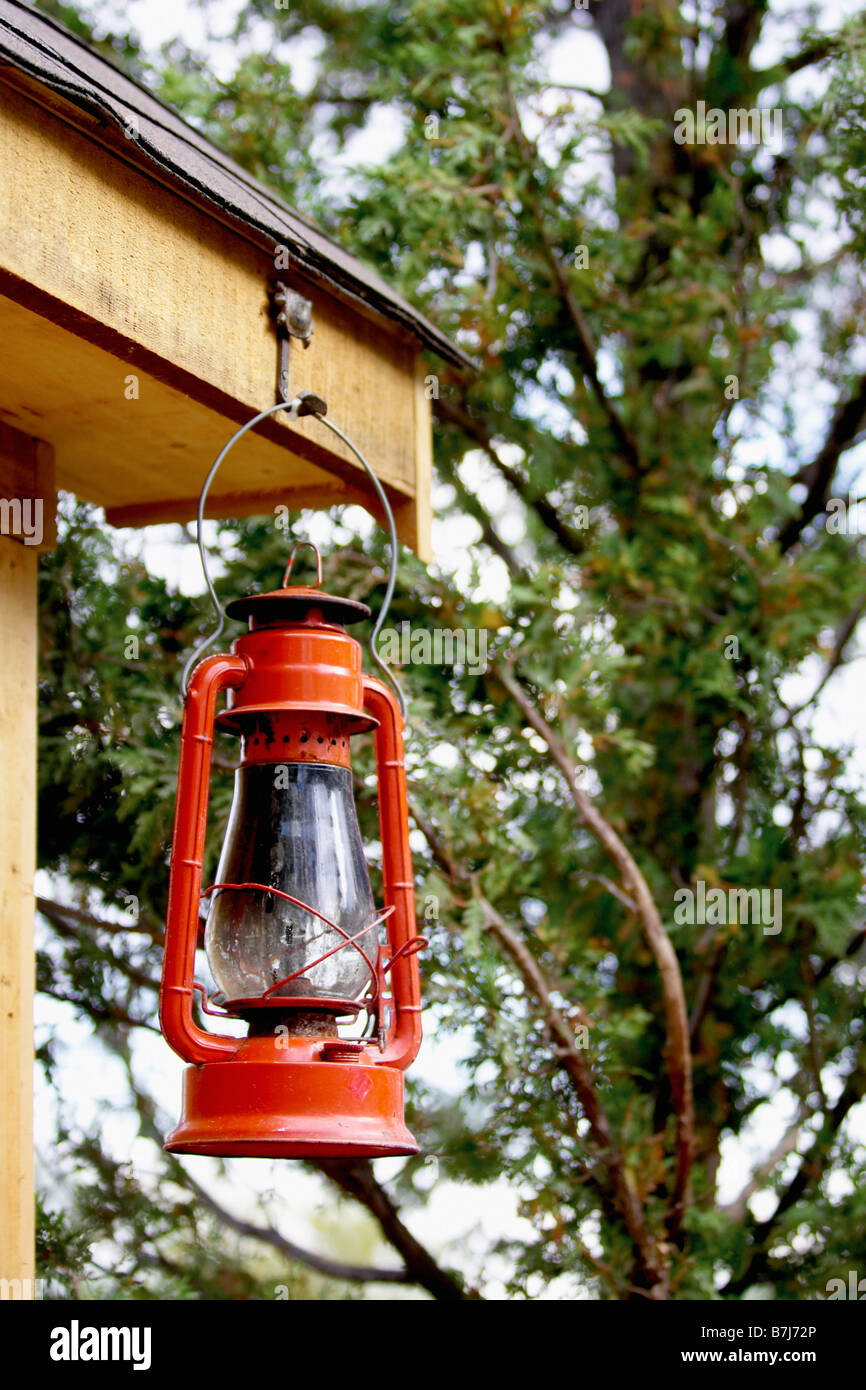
(292, 936)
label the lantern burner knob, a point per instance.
(344, 1050)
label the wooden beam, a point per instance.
(237, 504)
(28, 500)
(124, 266)
(155, 447)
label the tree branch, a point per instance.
(615, 891)
(474, 507)
(61, 914)
(678, 1046)
(780, 72)
(571, 1059)
(738, 1209)
(267, 1235)
(586, 353)
(334, 1269)
(843, 636)
(58, 916)
(848, 420)
(576, 1065)
(355, 1177)
(569, 538)
(856, 943)
(808, 1175)
(101, 1014)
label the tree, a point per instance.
(650, 320)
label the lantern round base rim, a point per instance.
(292, 1109)
(288, 1148)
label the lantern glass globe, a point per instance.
(293, 827)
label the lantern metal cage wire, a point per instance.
(302, 404)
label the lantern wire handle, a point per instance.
(302, 404)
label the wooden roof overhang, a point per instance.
(135, 261)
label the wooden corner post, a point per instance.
(27, 519)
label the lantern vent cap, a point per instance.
(295, 604)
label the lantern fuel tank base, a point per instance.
(311, 1109)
